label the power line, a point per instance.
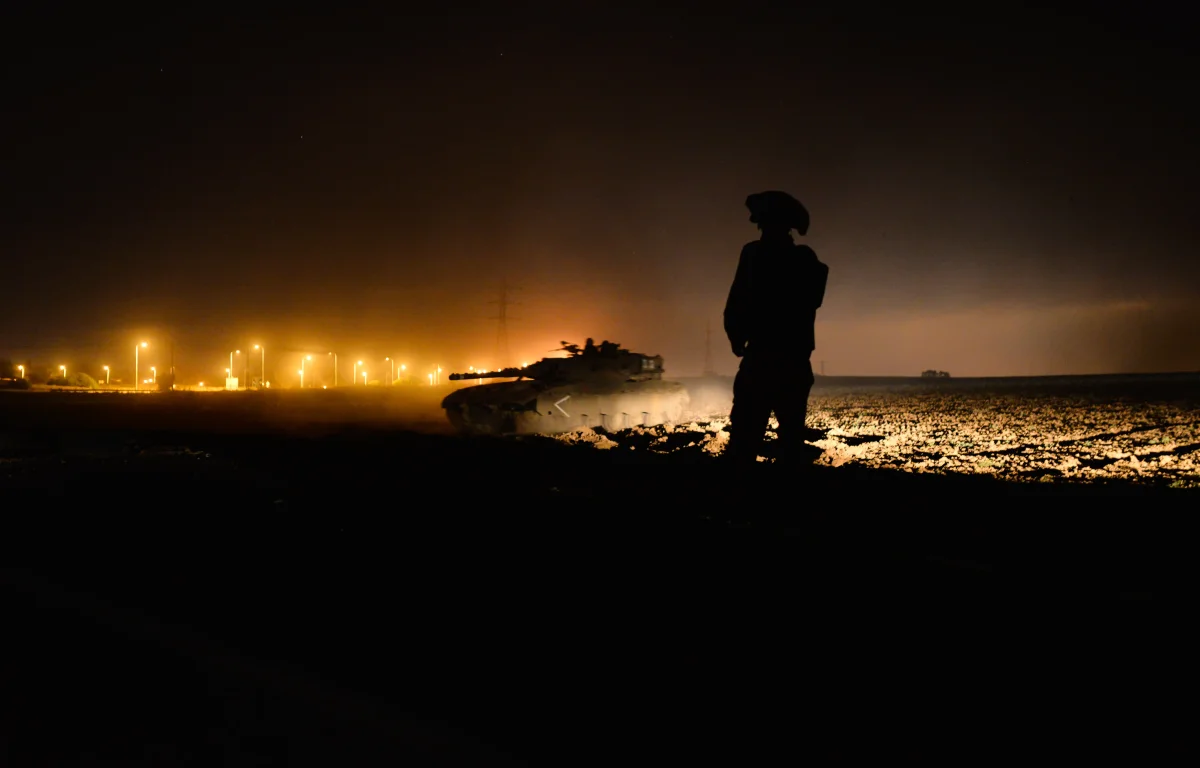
(503, 353)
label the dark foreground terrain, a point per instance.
(183, 591)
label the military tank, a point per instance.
(593, 386)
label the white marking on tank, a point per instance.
(558, 405)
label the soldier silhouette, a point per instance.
(769, 319)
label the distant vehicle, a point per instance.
(932, 374)
(596, 386)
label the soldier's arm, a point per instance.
(737, 305)
(819, 277)
(822, 279)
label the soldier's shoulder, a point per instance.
(806, 252)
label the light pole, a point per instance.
(21, 368)
(262, 375)
(107, 374)
(136, 376)
(355, 379)
(153, 374)
(63, 368)
(403, 368)
(364, 378)
(306, 357)
(392, 377)
(230, 368)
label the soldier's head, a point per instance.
(777, 213)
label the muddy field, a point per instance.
(1141, 429)
(1070, 432)
(236, 579)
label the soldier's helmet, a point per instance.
(779, 208)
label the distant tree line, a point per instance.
(73, 380)
(11, 376)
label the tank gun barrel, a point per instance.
(503, 373)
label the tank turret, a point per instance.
(607, 361)
(593, 386)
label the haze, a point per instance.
(1008, 197)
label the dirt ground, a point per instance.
(295, 581)
(1143, 429)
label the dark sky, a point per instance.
(997, 190)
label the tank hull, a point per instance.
(532, 408)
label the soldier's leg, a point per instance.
(791, 391)
(749, 415)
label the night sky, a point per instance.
(997, 191)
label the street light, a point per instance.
(355, 379)
(107, 374)
(364, 378)
(63, 368)
(392, 377)
(307, 357)
(403, 368)
(262, 376)
(22, 369)
(154, 374)
(229, 370)
(136, 377)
